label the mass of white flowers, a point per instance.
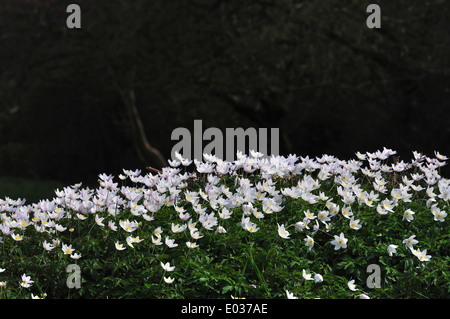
(201, 202)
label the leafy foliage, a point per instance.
(243, 233)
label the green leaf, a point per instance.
(227, 289)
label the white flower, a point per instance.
(158, 231)
(334, 208)
(381, 210)
(26, 281)
(309, 215)
(195, 234)
(191, 245)
(178, 229)
(438, 214)
(119, 246)
(387, 205)
(99, 220)
(323, 216)
(184, 216)
(75, 256)
(60, 228)
(318, 278)
(306, 275)
(16, 237)
(309, 242)
(354, 224)
(351, 285)
(179, 209)
(147, 217)
(299, 226)
(258, 214)
(221, 230)
(414, 251)
(368, 202)
(251, 227)
(157, 241)
(191, 225)
(392, 249)
(168, 280)
(170, 242)
(422, 255)
(410, 241)
(339, 242)
(317, 226)
(346, 212)
(283, 232)
(408, 215)
(112, 225)
(225, 213)
(128, 226)
(290, 295)
(440, 156)
(167, 266)
(256, 154)
(67, 249)
(47, 246)
(131, 240)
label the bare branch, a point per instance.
(141, 131)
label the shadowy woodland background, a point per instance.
(78, 102)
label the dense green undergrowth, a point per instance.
(281, 227)
(33, 190)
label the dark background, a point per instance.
(69, 97)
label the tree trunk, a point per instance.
(143, 147)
